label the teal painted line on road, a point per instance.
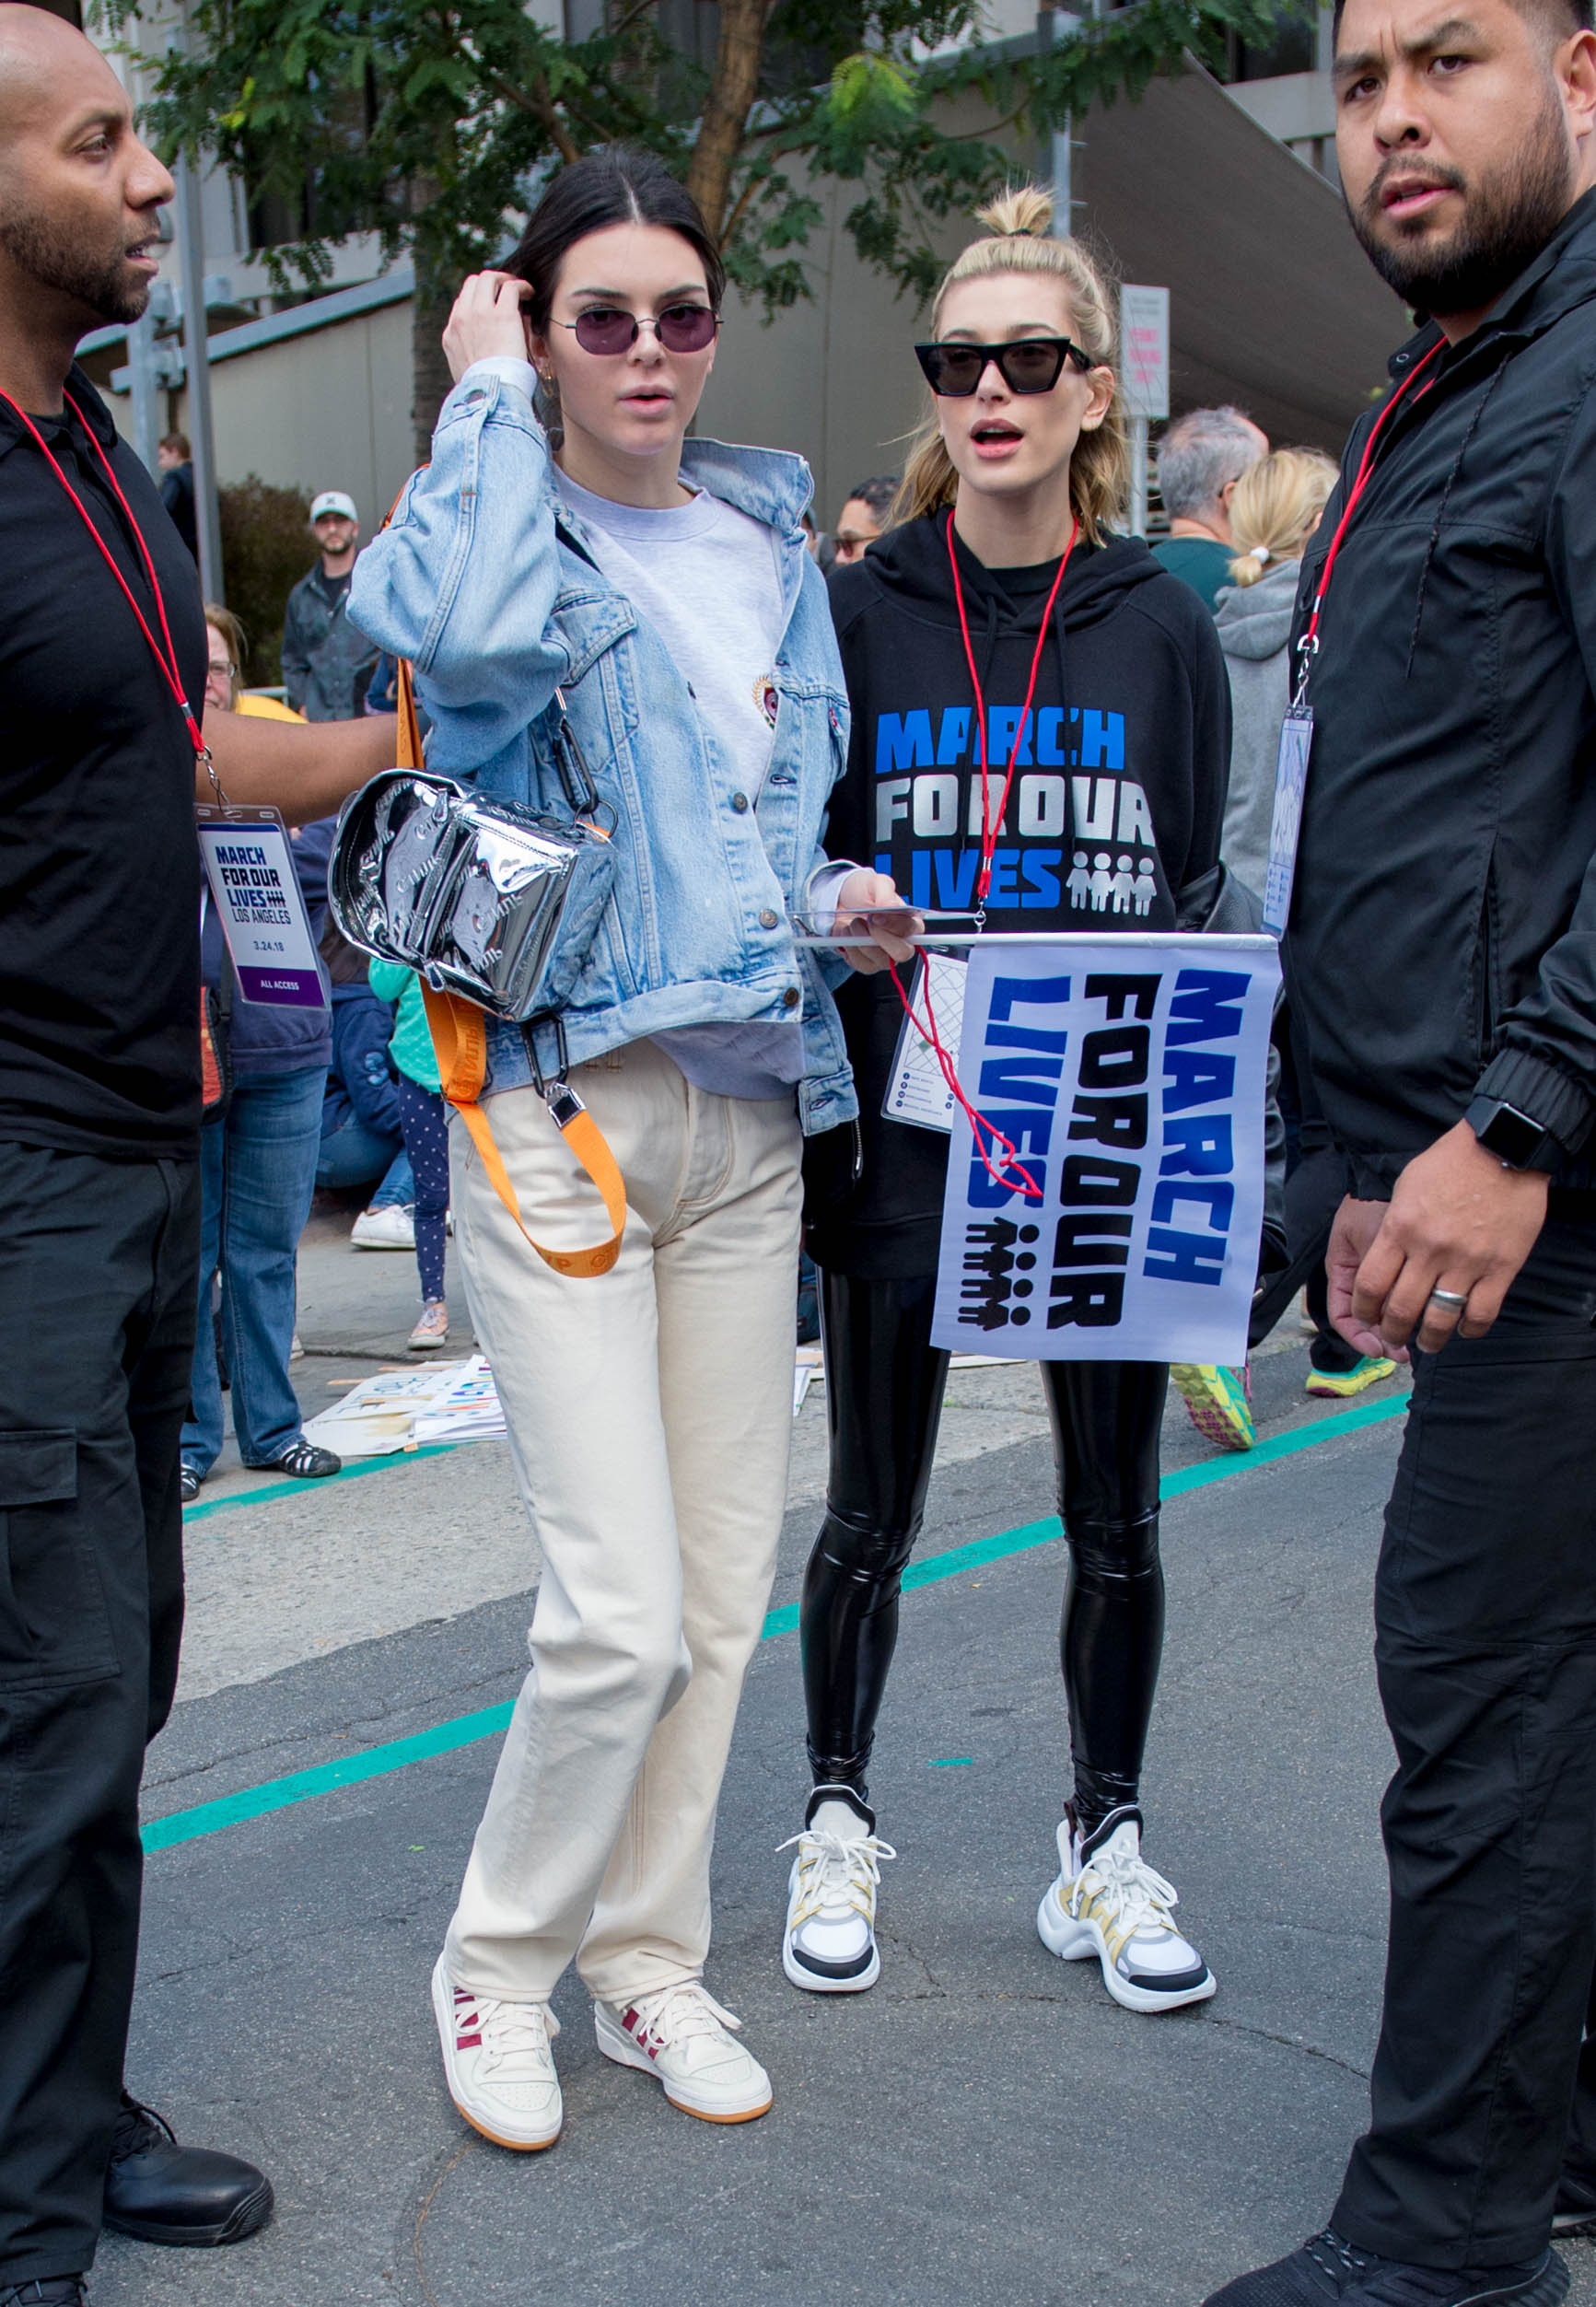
(270, 1490)
(466, 1729)
(300, 1785)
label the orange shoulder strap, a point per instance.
(461, 1038)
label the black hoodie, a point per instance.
(1119, 792)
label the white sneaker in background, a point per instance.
(683, 2036)
(828, 1946)
(1107, 1901)
(498, 2064)
(390, 1227)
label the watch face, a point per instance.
(1512, 1136)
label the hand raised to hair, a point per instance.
(487, 322)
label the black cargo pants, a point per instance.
(98, 1265)
(1485, 1648)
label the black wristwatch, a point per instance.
(1516, 1138)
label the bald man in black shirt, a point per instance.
(100, 1117)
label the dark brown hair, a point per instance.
(615, 185)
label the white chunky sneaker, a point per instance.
(682, 2036)
(1107, 1901)
(828, 1946)
(498, 2064)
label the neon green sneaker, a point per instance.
(1218, 1402)
(1338, 1385)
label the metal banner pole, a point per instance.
(196, 362)
(1139, 476)
(145, 390)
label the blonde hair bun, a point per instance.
(1020, 240)
(1023, 210)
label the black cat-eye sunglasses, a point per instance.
(1030, 363)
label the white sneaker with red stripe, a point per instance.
(683, 2036)
(499, 2063)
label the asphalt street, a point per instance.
(986, 2125)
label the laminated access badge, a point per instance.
(249, 868)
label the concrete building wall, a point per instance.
(329, 409)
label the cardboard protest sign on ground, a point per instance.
(1129, 1074)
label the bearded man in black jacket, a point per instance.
(1442, 951)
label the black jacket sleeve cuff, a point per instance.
(1541, 1091)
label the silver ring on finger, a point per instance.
(1454, 1301)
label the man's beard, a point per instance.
(1508, 219)
(98, 278)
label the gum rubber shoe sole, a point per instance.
(444, 2014)
(618, 2046)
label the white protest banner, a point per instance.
(1129, 1074)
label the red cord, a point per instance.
(1355, 495)
(168, 661)
(979, 1123)
(990, 825)
(982, 1129)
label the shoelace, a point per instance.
(1141, 1897)
(840, 1867)
(676, 2013)
(510, 2031)
(1337, 2256)
(138, 2128)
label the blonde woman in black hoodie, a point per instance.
(1003, 572)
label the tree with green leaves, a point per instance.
(433, 122)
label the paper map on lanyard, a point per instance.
(1129, 1074)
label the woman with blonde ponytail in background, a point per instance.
(1005, 576)
(1274, 511)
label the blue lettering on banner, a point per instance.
(1207, 1005)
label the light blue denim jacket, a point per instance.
(482, 579)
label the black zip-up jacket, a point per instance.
(1118, 797)
(1442, 941)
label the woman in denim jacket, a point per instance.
(664, 587)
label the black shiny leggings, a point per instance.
(884, 1385)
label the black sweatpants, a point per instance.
(1485, 1648)
(98, 1267)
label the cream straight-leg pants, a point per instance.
(650, 1416)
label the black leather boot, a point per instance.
(49, 2290)
(164, 2193)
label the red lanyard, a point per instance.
(1308, 647)
(990, 822)
(167, 657)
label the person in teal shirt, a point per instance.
(423, 1118)
(1201, 458)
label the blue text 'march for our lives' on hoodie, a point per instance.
(1079, 830)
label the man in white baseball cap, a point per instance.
(326, 660)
